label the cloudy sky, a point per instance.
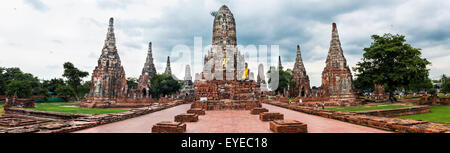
(40, 35)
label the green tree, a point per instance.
(445, 84)
(164, 84)
(65, 91)
(284, 80)
(420, 85)
(52, 84)
(74, 77)
(21, 88)
(85, 88)
(7, 75)
(132, 83)
(392, 62)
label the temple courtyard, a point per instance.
(229, 121)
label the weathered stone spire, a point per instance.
(300, 77)
(335, 53)
(149, 67)
(337, 81)
(279, 63)
(108, 79)
(110, 42)
(168, 70)
(224, 28)
(187, 73)
(299, 68)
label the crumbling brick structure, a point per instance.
(109, 86)
(169, 127)
(258, 110)
(186, 117)
(144, 82)
(271, 116)
(288, 126)
(300, 78)
(187, 90)
(224, 65)
(337, 81)
(198, 111)
(379, 93)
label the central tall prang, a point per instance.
(224, 61)
(225, 74)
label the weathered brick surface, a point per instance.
(226, 104)
(288, 126)
(379, 122)
(198, 111)
(186, 118)
(258, 110)
(397, 112)
(65, 126)
(270, 116)
(169, 127)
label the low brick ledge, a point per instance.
(384, 123)
(66, 126)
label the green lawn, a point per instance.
(367, 107)
(71, 108)
(1, 110)
(440, 114)
(414, 99)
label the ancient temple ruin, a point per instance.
(187, 90)
(337, 81)
(108, 79)
(225, 75)
(109, 85)
(149, 70)
(168, 69)
(300, 78)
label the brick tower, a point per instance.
(301, 79)
(149, 70)
(108, 79)
(337, 82)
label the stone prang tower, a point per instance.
(301, 79)
(337, 82)
(149, 70)
(108, 79)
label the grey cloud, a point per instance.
(37, 4)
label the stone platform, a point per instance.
(169, 127)
(258, 110)
(288, 126)
(186, 118)
(198, 111)
(270, 116)
(226, 105)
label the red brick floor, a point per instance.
(229, 122)
(317, 124)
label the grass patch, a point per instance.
(1, 110)
(440, 114)
(367, 107)
(71, 108)
(414, 99)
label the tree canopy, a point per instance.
(164, 84)
(284, 80)
(74, 77)
(391, 62)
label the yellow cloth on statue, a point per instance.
(244, 76)
(224, 62)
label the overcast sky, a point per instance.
(40, 35)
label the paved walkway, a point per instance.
(229, 122)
